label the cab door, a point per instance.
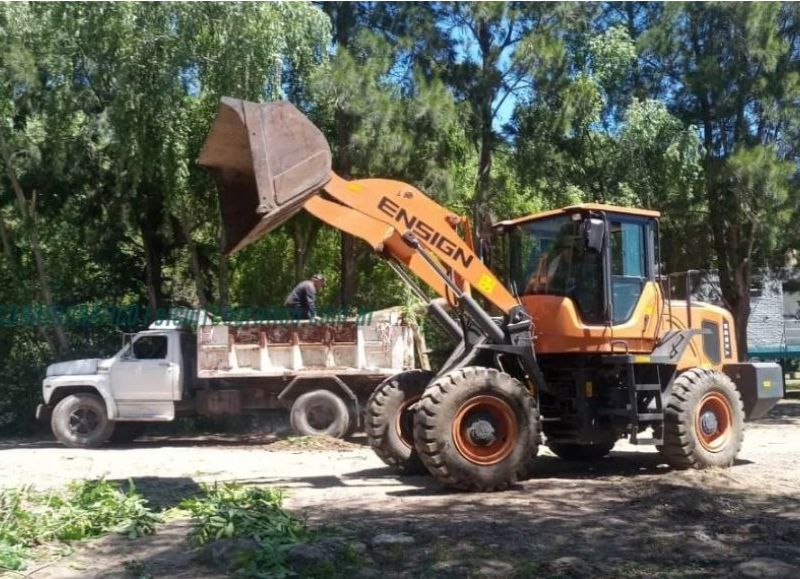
(635, 295)
(145, 377)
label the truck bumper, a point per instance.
(43, 412)
(760, 384)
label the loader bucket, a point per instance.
(267, 160)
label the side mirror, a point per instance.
(593, 234)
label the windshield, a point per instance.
(549, 257)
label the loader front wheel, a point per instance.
(390, 420)
(474, 429)
(703, 421)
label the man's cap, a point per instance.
(318, 277)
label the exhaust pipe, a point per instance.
(267, 160)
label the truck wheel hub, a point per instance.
(320, 416)
(83, 421)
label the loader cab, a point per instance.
(585, 266)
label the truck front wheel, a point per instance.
(80, 421)
(320, 412)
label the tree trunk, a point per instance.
(741, 317)
(8, 248)
(344, 18)
(349, 279)
(304, 233)
(484, 110)
(223, 271)
(29, 220)
(197, 271)
(152, 252)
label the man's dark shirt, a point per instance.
(302, 300)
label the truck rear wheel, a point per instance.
(703, 421)
(320, 412)
(390, 420)
(474, 429)
(580, 452)
(80, 421)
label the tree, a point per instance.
(500, 50)
(734, 69)
(386, 111)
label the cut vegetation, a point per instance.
(84, 510)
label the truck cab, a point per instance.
(86, 399)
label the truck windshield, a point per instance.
(548, 257)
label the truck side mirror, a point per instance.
(593, 234)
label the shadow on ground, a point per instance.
(601, 528)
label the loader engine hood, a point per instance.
(74, 367)
(267, 160)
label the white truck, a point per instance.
(323, 373)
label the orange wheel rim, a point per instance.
(404, 422)
(713, 421)
(485, 430)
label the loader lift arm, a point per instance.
(269, 161)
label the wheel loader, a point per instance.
(581, 347)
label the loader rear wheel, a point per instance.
(580, 452)
(320, 412)
(80, 421)
(703, 421)
(474, 429)
(390, 420)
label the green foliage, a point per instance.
(86, 509)
(233, 511)
(105, 109)
(613, 53)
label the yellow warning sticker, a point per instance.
(487, 284)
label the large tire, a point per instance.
(81, 421)
(703, 421)
(580, 452)
(320, 412)
(125, 432)
(390, 421)
(474, 429)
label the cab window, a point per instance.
(628, 271)
(555, 261)
(150, 348)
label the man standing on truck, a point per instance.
(301, 301)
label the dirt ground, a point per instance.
(628, 515)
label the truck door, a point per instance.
(147, 370)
